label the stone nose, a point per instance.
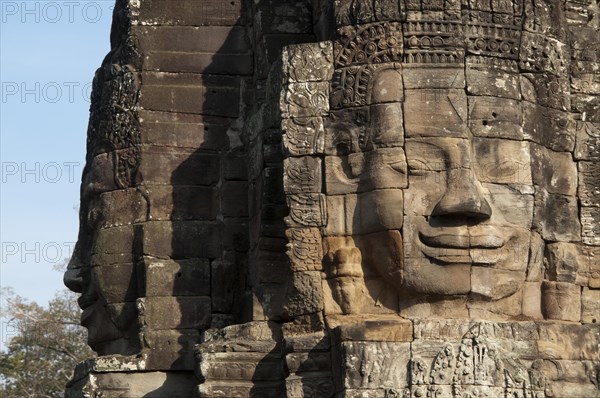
(73, 277)
(73, 280)
(463, 197)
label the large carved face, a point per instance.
(469, 205)
(436, 189)
(468, 213)
(102, 268)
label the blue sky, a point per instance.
(49, 51)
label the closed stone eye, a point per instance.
(418, 167)
(399, 167)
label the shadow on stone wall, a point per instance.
(209, 227)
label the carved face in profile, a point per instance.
(102, 268)
(444, 179)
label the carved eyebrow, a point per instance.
(427, 147)
(428, 154)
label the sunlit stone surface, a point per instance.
(351, 198)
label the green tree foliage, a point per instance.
(43, 347)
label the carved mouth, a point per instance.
(86, 300)
(462, 241)
(87, 315)
(463, 248)
(88, 308)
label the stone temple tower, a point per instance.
(343, 198)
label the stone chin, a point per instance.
(479, 282)
(109, 325)
(102, 333)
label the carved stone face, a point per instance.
(451, 174)
(468, 206)
(101, 268)
(467, 216)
